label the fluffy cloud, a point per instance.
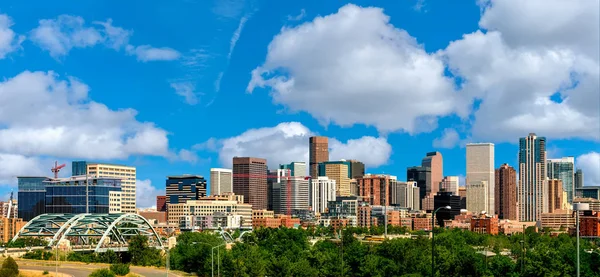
(288, 142)
(9, 40)
(532, 53)
(18, 165)
(590, 165)
(146, 194)
(41, 114)
(449, 139)
(187, 91)
(58, 36)
(355, 67)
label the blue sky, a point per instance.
(182, 86)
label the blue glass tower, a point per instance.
(79, 168)
(68, 195)
(31, 195)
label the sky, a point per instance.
(178, 87)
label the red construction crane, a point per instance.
(287, 176)
(57, 168)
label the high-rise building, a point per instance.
(161, 203)
(421, 175)
(477, 197)
(506, 192)
(9, 208)
(579, 179)
(183, 188)
(221, 181)
(564, 170)
(443, 199)
(127, 174)
(375, 189)
(462, 192)
(322, 191)
(555, 195)
(450, 184)
(318, 153)
(297, 169)
(68, 195)
(32, 196)
(271, 190)
(480, 171)
(405, 195)
(250, 180)
(532, 178)
(299, 197)
(340, 171)
(357, 168)
(435, 162)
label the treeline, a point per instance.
(287, 252)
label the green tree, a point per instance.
(103, 272)
(142, 254)
(9, 268)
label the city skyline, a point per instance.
(141, 91)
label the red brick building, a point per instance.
(375, 189)
(364, 216)
(484, 224)
(589, 224)
(161, 203)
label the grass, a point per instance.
(39, 273)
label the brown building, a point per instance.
(318, 153)
(339, 223)
(462, 192)
(154, 216)
(589, 224)
(422, 224)
(434, 161)
(407, 222)
(161, 203)
(357, 168)
(250, 180)
(555, 195)
(484, 224)
(364, 216)
(375, 189)
(506, 192)
(394, 218)
(9, 227)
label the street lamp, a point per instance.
(218, 258)
(433, 238)
(579, 207)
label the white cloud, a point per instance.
(531, 51)
(146, 53)
(355, 67)
(288, 142)
(236, 36)
(590, 165)
(187, 91)
(188, 156)
(9, 40)
(297, 17)
(58, 36)
(18, 165)
(420, 6)
(450, 138)
(116, 37)
(146, 193)
(42, 115)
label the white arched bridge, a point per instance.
(90, 232)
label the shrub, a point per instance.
(102, 273)
(120, 269)
(45, 272)
(9, 268)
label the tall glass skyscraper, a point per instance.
(182, 188)
(532, 178)
(68, 195)
(32, 196)
(563, 169)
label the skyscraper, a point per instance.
(477, 197)
(297, 169)
(357, 168)
(532, 178)
(221, 181)
(421, 175)
(555, 195)
(127, 174)
(340, 171)
(506, 192)
(322, 190)
(183, 188)
(579, 179)
(480, 171)
(405, 194)
(449, 184)
(299, 192)
(250, 180)
(564, 170)
(435, 162)
(318, 153)
(375, 189)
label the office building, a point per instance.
(299, 193)
(421, 175)
(221, 181)
(443, 199)
(357, 168)
(161, 203)
(127, 174)
(578, 178)
(405, 194)
(32, 197)
(183, 188)
(322, 191)
(250, 180)
(506, 192)
(481, 171)
(68, 195)
(532, 178)
(555, 195)
(318, 153)
(589, 224)
(477, 197)
(114, 202)
(9, 227)
(462, 192)
(435, 162)
(9, 208)
(296, 169)
(588, 192)
(450, 184)
(340, 171)
(375, 189)
(343, 207)
(229, 204)
(271, 180)
(563, 169)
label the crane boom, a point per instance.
(57, 169)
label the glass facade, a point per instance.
(31, 195)
(421, 175)
(79, 168)
(69, 195)
(589, 192)
(563, 169)
(180, 189)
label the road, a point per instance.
(83, 270)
